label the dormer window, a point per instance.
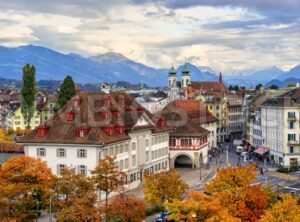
(120, 128)
(76, 102)
(106, 101)
(104, 114)
(161, 122)
(116, 113)
(121, 100)
(70, 116)
(140, 109)
(82, 131)
(42, 130)
(108, 130)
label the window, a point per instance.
(291, 125)
(147, 156)
(81, 153)
(133, 160)
(172, 142)
(147, 142)
(291, 137)
(41, 152)
(152, 155)
(186, 142)
(121, 148)
(126, 163)
(60, 167)
(291, 115)
(61, 152)
(116, 150)
(126, 147)
(291, 149)
(17, 122)
(133, 146)
(82, 169)
(111, 151)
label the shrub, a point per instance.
(294, 168)
(282, 169)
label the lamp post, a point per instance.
(200, 171)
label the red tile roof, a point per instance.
(88, 114)
(209, 86)
(7, 147)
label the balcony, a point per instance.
(293, 142)
(292, 118)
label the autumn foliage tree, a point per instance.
(125, 208)
(286, 209)
(228, 197)
(24, 188)
(108, 178)
(163, 186)
(75, 197)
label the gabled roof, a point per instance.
(209, 86)
(87, 114)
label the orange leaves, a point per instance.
(24, 184)
(231, 177)
(126, 208)
(285, 209)
(76, 197)
(229, 197)
(163, 186)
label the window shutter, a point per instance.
(78, 152)
(58, 169)
(57, 152)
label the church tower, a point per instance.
(172, 77)
(185, 76)
(220, 78)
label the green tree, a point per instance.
(66, 92)
(257, 87)
(273, 86)
(236, 88)
(230, 87)
(28, 93)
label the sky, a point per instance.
(226, 35)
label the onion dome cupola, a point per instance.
(185, 70)
(172, 71)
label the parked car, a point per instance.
(245, 154)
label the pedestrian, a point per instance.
(261, 171)
(209, 157)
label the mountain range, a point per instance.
(113, 67)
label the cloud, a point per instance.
(224, 35)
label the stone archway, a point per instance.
(183, 161)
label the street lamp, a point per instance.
(200, 165)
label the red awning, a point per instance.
(261, 150)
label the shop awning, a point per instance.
(261, 150)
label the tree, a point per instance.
(236, 88)
(199, 207)
(66, 91)
(228, 197)
(28, 93)
(163, 186)
(75, 197)
(232, 187)
(24, 186)
(258, 86)
(273, 86)
(125, 208)
(286, 209)
(231, 88)
(108, 178)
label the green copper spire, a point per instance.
(185, 70)
(172, 71)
